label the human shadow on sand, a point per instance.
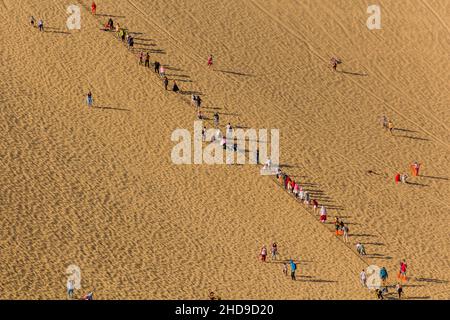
(111, 108)
(353, 73)
(235, 73)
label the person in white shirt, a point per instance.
(363, 278)
(70, 288)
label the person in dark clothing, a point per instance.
(216, 119)
(198, 101)
(110, 24)
(157, 65)
(166, 83)
(147, 60)
(175, 87)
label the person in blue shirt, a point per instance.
(293, 269)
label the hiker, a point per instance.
(334, 62)
(263, 253)
(285, 269)
(157, 65)
(70, 288)
(403, 178)
(257, 156)
(130, 42)
(384, 122)
(301, 194)
(336, 225)
(268, 164)
(223, 143)
(379, 294)
(383, 274)
(295, 189)
(229, 130)
(399, 290)
(110, 24)
(397, 178)
(402, 272)
(147, 60)
(32, 21)
(199, 115)
(345, 229)
(162, 71)
(315, 205)
(274, 251)
(216, 119)
(141, 58)
(363, 278)
(415, 166)
(198, 102)
(88, 296)
(307, 198)
(89, 99)
(293, 269)
(291, 186)
(360, 248)
(166, 82)
(210, 60)
(41, 25)
(175, 87)
(93, 8)
(390, 126)
(204, 134)
(323, 214)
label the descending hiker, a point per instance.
(210, 60)
(216, 119)
(263, 253)
(162, 71)
(363, 278)
(70, 288)
(415, 166)
(175, 87)
(41, 25)
(334, 62)
(147, 60)
(166, 82)
(402, 272)
(323, 214)
(89, 99)
(274, 251)
(397, 178)
(360, 249)
(383, 274)
(399, 290)
(93, 7)
(293, 269)
(345, 230)
(390, 126)
(157, 65)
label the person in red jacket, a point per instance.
(397, 178)
(93, 7)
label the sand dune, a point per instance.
(97, 187)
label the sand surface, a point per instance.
(97, 187)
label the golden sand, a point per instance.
(97, 187)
